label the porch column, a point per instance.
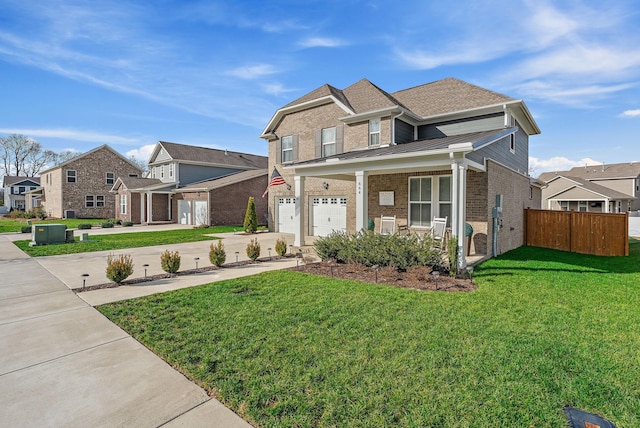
(143, 208)
(149, 207)
(298, 218)
(459, 209)
(362, 199)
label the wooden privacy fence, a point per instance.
(601, 234)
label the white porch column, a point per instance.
(459, 197)
(362, 199)
(143, 209)
(298, 219)
(149, 207)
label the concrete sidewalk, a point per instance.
(64, 364)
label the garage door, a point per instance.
(286, 212)
(329, 214)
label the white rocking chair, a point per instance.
(387, 225)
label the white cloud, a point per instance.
(631, 113)
(567, 94)
(250, 72)
(72, 134)
(557, 163)
(142, 153)
(276, 89)
(321, 42)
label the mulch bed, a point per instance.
(419, 277)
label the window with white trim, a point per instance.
(71, 176)
(111, 178)
(582, 206)
(161, 171)
(328, 141)
(170, 170)
(512, 143)
(287, 148)
(374, 132)
(429, 197)
(123, 204)
(564, 205)
(89, 201)
(100, 201)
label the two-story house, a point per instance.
(610, 188)
(193, 185)
(444, 149)
(15, 189)
(80, 186)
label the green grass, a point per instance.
(118, 241)
(545, 329)
(15, 225)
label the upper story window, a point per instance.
(170, 170)
(512, 143)
(328, 141)
(71, 176)
(161, 171)
(287, 148)
(153, 172)
(374, 132)
(21, 190)
(111, 178)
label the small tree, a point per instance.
(170, 261)
(217, 254)
(251, 217)
(119, 267)
(281, 247)
(253, 249)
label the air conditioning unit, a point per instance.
(69, 214)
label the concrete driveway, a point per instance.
(64, 364)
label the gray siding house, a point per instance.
(443, 149)
(16, 189)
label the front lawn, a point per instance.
(16, 224)
(545, 329)
(118, 241)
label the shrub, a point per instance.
(84, 226)
(40, 213)
(251, 217)
(25, 229)
(281, 247)
(127, 223)
(115, 221)
(217, 255)
(253, 249)
(119, 267)
(170, 261)
(107, 225)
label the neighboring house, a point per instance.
(444, 149)
(80, 186)
(597, 188)
(193, 185)
(15, 189)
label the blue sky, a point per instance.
(78, 74)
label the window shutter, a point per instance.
(278, 151)
(339, 139)
(318, 143)
(294, 155)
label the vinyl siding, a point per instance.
(500, 152)
(404, 132)
(461, 126)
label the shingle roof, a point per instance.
(476, 139)
(597, 172)
(227, 180)
(138, 182)
(9, 180)
(446, 96)
(597, 188)
(365, 96)
(323, 91)
(187, 153)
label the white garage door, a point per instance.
(286, 211)
(329, 214)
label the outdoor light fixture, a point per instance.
(269, 249)
(288, 186)
(237, 253)
(290, 248)
(84, 279)
(325, 185)
(196, 260)
(145, 266)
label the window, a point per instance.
(564, 205)
(161, 171)
(100, 201)
(328, 141)
(21, 190)
(287, 148)
(153, 173)
(374, 132)
(89, 201)
(530, 192)
(512, 143)
(170, 170)
(133, 175)
(429, 197)
(111, 178)
(582, 206)
(123, 204)
(71, 176)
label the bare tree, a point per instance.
(37, 161)
(64, 156)
(16, 149)
(143, 165)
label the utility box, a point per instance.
(69, 236)
(44, 234)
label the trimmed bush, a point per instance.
(115, 221)
(170, 261)
(217, 254)
(119, 267)
(251, 217)
(84, 226)
(253, 249)
(25, 229)
(107, 225)
(281, 247)
(127, 224)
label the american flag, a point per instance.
(276, 180)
